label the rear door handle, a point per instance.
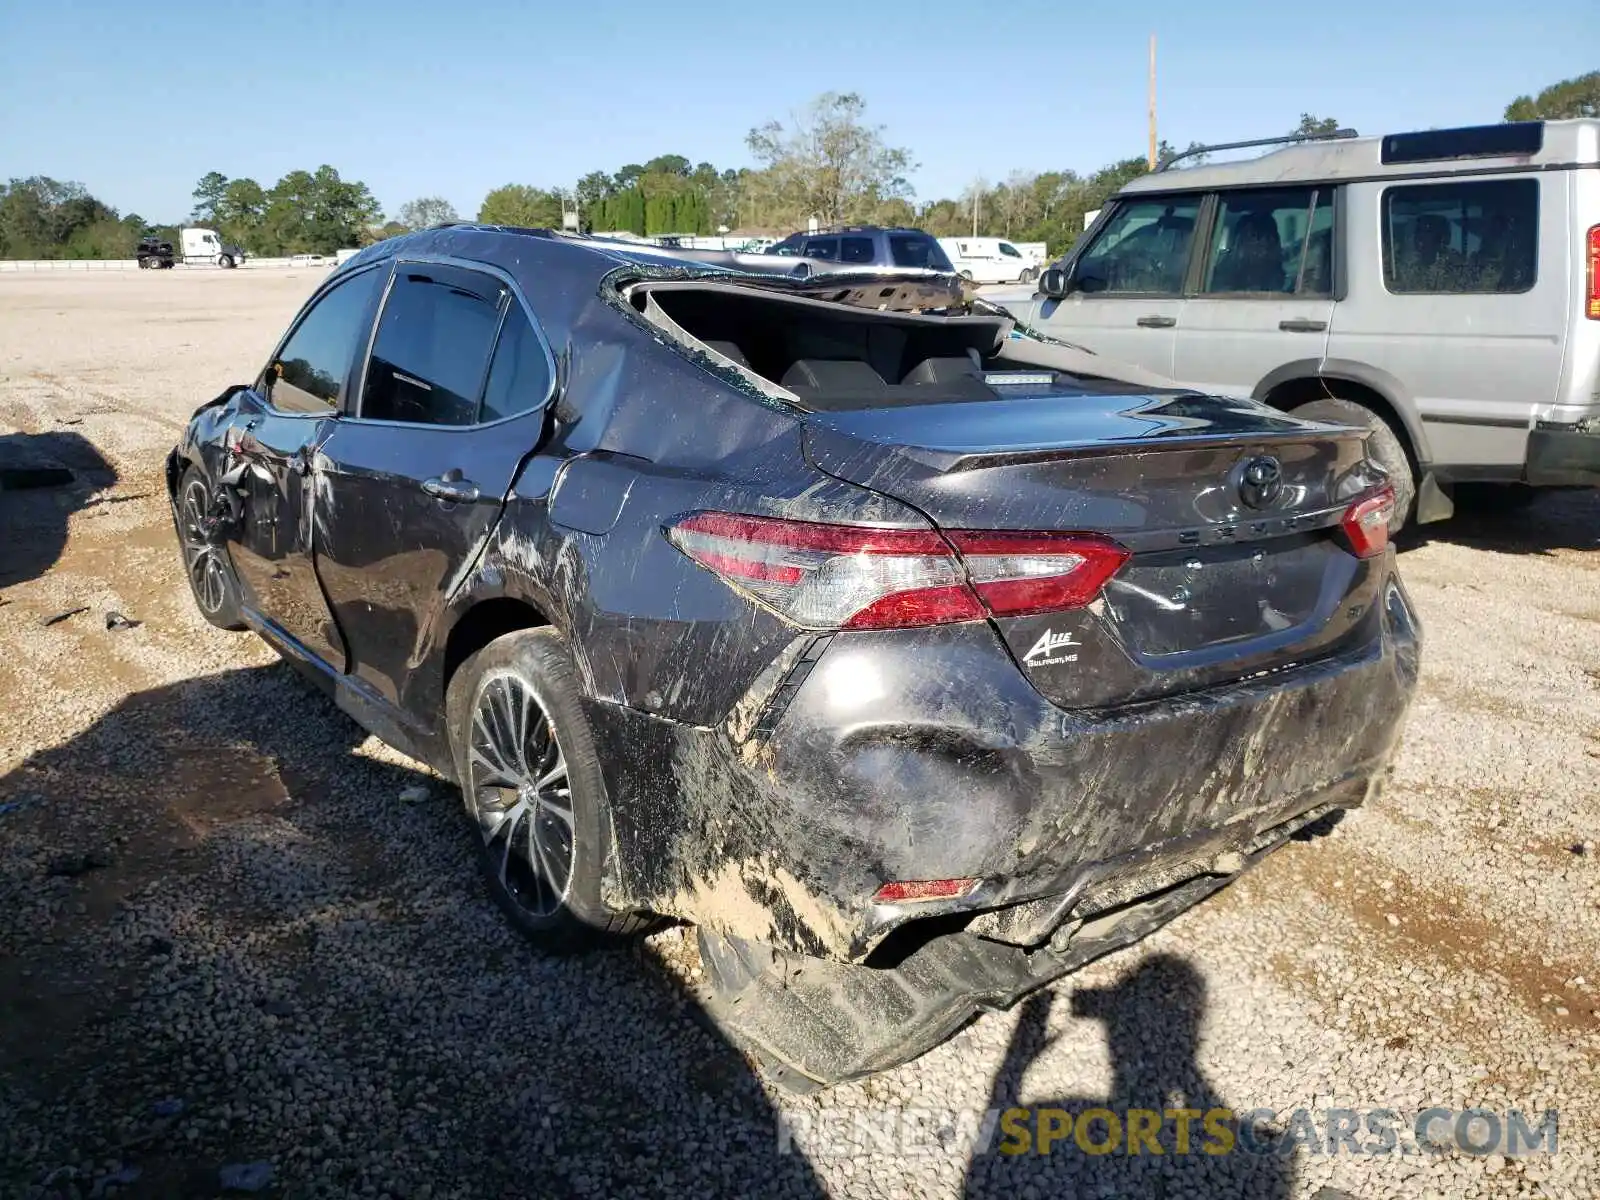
(1157, 322)
(457, 491)
(1302, 325)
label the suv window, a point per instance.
(918, 250)
(519, 376)
(1274, 242)
(790, 245)
(432, 346)
(1143, 249)
(827, 248)
(1468, 237)
(856, 250)
(313, 363)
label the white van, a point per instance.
(991, 260)
(1441, 288)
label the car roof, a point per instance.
(1564, 143)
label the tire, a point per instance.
(206, 565)
(1386, 445)
(1028, 275)
(967, 275)
(525, 681)
(144, 264)
(225, 262)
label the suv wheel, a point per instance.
(525, 757)
(206, 564)
(1385, 444)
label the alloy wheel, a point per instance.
(207, 573)
(521, 794)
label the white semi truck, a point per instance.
(195, 245)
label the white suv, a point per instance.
(1441, 287)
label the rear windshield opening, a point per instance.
(832, 357)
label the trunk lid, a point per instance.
(1231, 575)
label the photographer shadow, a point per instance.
(264, 940)
(44, 479)
(1152, 1020)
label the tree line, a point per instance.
(828, 161)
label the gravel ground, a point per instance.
(238, 933)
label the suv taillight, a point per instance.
(854, 577)
(1591, 308)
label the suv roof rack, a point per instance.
(1285, 140)
(857, 229)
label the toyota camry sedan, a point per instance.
(914, 658)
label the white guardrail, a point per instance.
(131, 264)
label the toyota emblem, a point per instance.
(1260, 481)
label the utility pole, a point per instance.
(1152, 102)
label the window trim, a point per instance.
(1386, 236)
(872, 249)
(1204, 220)
(1112, 209)
(362, 348)
(1194, 288)
(500, 275)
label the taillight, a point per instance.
(909, 891)
(1016, 574)
(852, 577)
(1366, 522)
(1591, 307)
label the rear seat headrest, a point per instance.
(729, 350)
(941, 370)
(832, 375)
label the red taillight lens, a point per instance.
(1591, 307)
(923, 889)
(1366, 522)
(1016, 574)
(852, 577)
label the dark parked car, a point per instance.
(867, 246)
(916, 662)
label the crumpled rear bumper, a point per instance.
(817, 1022)
(926, 754)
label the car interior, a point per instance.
(837, 357)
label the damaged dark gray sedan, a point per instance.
(914, 660)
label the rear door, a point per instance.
(414, 479)
(301, 391)
(1463, 298)
(1265, 293)
(1127, 299)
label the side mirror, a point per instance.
(1056, 283)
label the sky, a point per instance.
(138, 101)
